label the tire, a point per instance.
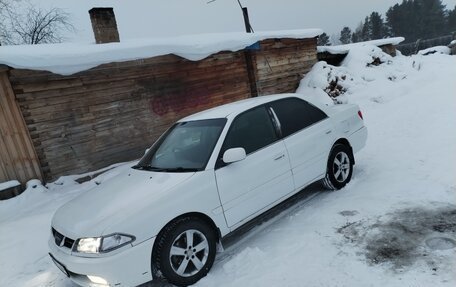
(340, 167)
(185, 251)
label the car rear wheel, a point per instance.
(340, 167)
(185, 251)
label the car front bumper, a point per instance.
(129, 266)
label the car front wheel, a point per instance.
(185, 251)
(340, 167)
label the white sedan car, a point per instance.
(206, 176)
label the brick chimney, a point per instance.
(104, 25)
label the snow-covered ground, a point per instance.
(393, 225)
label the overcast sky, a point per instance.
(151, 18)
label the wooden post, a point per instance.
(245, 13)
(251, 68)
(249, 56)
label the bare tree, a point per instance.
(4, 8)
(35, 26)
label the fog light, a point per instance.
(97, 280)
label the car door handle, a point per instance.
(328, 132)
(279, 157)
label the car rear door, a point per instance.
(251, 185)
(308, 135)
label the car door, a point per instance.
(263, 177)
(308, 136)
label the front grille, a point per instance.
(61, 240)
(58, 237)
(68, 242)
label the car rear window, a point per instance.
(296, 114)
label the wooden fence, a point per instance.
(413, 48)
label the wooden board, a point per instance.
(113, 112)
(281, 64)
(18, 160)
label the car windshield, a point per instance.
(185, 147)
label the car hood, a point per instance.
(100, 208)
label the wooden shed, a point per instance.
(53, 124)
(334, 55)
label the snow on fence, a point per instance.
(452, 46)
(413, 48)
(113, 112)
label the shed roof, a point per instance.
(344, 49)
(70, 58)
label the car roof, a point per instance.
(235, 108)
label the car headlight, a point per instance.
(88, 245)
(102, 244)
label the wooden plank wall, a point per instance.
(390, 49)
(112, 113)
(281, 64)
(18, 160)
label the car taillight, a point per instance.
(360, 114)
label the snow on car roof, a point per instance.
(70, 58)
(344, 49)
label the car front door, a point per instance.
(308, 136)
(251, 185)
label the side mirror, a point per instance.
(234, 155)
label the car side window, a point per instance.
(251, 130)
(295, 114)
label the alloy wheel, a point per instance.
(341, 166)
(189, 253)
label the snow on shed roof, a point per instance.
(70, 58)
(344, 49)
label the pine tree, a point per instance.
(357, 35)
(417, 19)
(377, 26)
(323, 40)
(412, 19)
(451, 20)
(345, 35)
(366, 30)
(394, 20)
(432, 13)
(354, 38)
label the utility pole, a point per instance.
(249, 54)
(245, 13)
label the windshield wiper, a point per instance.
(159, 169)
(180, 169)
(147, 167)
